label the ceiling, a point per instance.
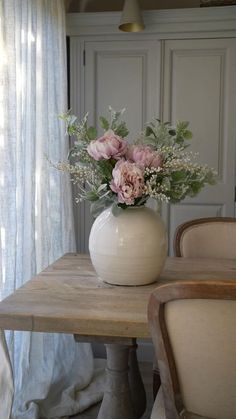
(74, 6)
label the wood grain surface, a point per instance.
(68, 297)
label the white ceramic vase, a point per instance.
(130, 248)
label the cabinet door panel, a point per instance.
(121, 74)
(200, 87)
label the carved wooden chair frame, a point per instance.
(198, 221)
(210, 289)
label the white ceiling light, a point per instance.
(131, 19)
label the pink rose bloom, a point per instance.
(127, 182)
(145, 156)
(108, 146)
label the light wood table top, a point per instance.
(68, 297)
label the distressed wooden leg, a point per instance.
(137, 389)
(117, 403)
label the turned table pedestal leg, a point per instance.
(124, 395)
(117, 402)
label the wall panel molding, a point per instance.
(220, 56)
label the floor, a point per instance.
(146, 371)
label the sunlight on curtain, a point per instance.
(54, 376)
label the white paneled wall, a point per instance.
(182, 67)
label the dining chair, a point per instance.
(192, 324)
(212, 237)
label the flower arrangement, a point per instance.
(110, 171)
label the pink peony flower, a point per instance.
(127, 182)
(108, 146)
(145, 156)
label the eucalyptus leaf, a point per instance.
(97, 207)
(182, 125)
(121, 130)
(105, 168)
(92, 133)
(116, 211)
(104, 123)
(149, 131)
(188, 135)
(92, 196)
(102, 187)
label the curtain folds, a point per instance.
(53, 375)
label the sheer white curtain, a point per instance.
(53, 375)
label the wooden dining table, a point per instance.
(68, 297)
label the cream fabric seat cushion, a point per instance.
(203, 338)
(212, 240)
(158, 411)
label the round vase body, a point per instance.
(128, 249)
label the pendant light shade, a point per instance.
(131, 19)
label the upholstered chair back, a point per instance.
(206, 237)
(193, 330)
